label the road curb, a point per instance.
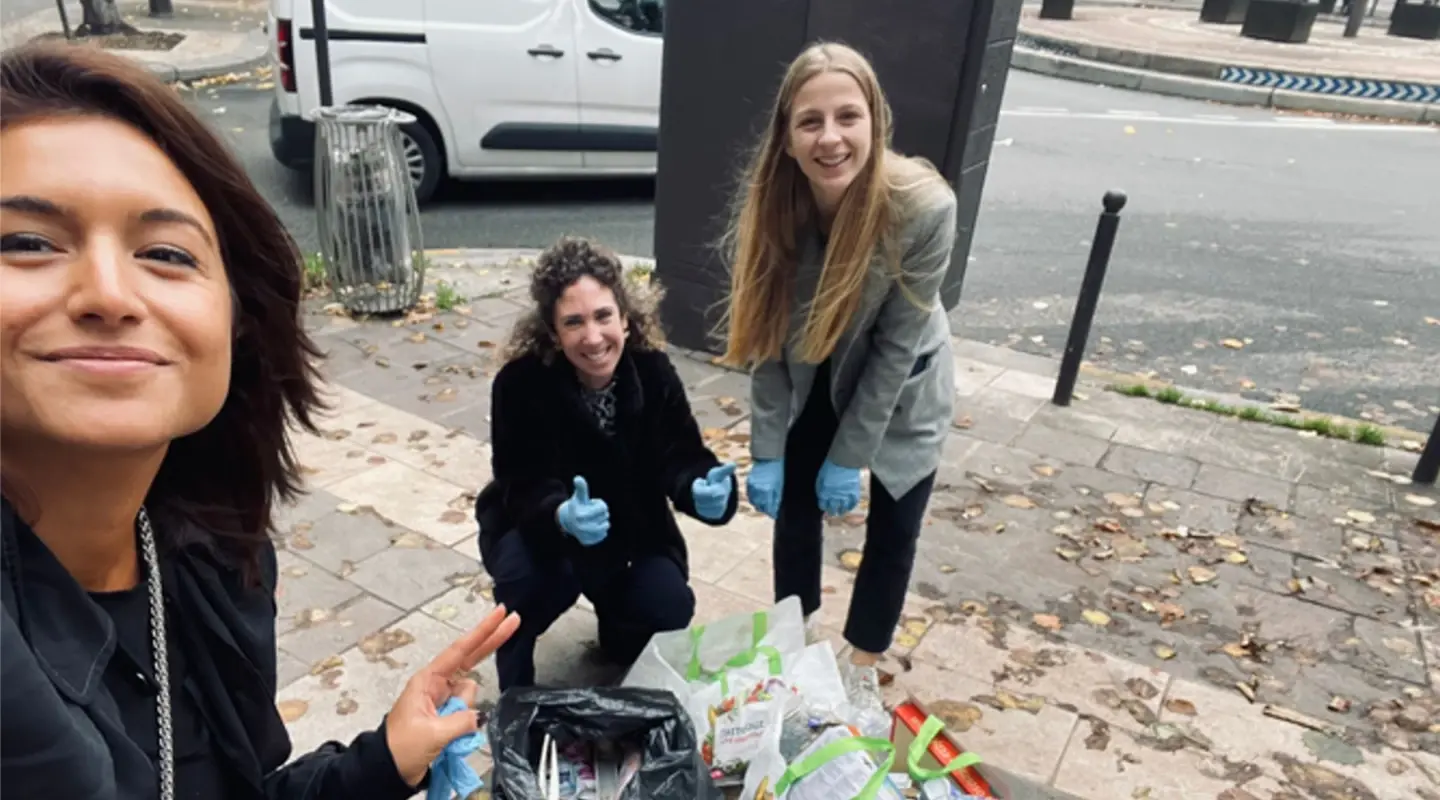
(519, 257)
(1174, 84)
(171, 74)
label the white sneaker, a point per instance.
(813, 633)
(862, 689)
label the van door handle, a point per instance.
(545, 50)
(603, 54)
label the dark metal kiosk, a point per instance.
(942, 63)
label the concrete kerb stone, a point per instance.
(1166, 82)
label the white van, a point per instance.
(501, 88)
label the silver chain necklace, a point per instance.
(164, 733)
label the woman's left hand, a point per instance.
(711, 494)
(414, 729)
(837, 488)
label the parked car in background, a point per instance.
(513, 89)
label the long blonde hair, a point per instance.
(775, 204)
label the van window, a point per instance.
(639, 16)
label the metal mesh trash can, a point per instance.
(368, 221)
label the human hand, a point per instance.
(837, 488)
(414, 730)
(712, 492)
(765, 484)
(585, 519)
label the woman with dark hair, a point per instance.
(593, 441)
(151, 361)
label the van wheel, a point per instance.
(422, 160)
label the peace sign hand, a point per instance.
(414, 730)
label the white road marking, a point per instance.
(1284, 123)
(1120, 112)
(1041, 110)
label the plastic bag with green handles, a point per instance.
(838, 763)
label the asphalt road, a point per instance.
(1313, 243)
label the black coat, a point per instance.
(62, 736)
(543, 435)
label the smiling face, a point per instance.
(830, 135)
(591, 330)
(116, 314)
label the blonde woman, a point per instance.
(840, 245)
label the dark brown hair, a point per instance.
(568, 260)
(224, 479)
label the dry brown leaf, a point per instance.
(1233, 344)
(850, 559)
(1201, 575)
(1237, 558)
(291, 710)
(1362, 517)
(1043, 470)
(1097, 618)
(1227, 543)
(454, 517)
(1017, 501)
(1179, 705)
(409, 539)
(1419, 500)
(1163, 652)
(346, 706)
(946, 569)
(1049, 622)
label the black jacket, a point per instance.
(59, 731)
(542, 435)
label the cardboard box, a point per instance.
(909, 717)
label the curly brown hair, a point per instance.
(559, 266)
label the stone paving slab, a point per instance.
(1179, 34)
(1108, 597)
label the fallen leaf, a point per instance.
(383, 438)
(311, 616)
(1049, 622)
(946, 569)
(1141, 688)
(1235, 650)
(346, 706)
(1178, 705)
(916, 626)
(850, 559)
(445, 613)
(1237, 558)
(1122, 500)
(1362, 517)
(1097, 618)
(454, 517)
(409, 539)
(1068, 554)
(1418, 500)
(1018, 501)
(347, 568)
(906, 641)
(347, 508)
(1169, 612)
(1201, 575)
(1233, 344)
(378, 645)
(1226, 542)
(1339, 705)
(1164, 653)
(291, 710)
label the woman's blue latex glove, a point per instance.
(585, 519)
(837, 488)
(766, 482)
(450, 776)
(712, 492)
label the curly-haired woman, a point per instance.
(151, 362)
(841, 245)
(593, 441)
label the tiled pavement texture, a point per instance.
(1120, 599)
(1180, 33)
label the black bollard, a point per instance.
(1057, 9)
(1427, 469)
(322, 50)
(162, 8)
(1089, 297)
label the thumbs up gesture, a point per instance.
(712, 492)
(585, 519)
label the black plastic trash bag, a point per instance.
(650, 719)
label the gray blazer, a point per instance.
(892, 375)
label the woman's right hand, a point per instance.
(585, 519)
(765, 484)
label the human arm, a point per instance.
(684, 458)
(521, 452)
(894, 338)
(770, 392)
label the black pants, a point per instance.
(650, 596)
(892, 528)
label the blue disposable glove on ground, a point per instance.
(450, 776)
(766, 482)
(585, 519)
(712, 492)
(837, 488)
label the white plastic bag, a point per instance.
(837, 763)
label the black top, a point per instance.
(130, 677)
(77, 707)
(544, 431)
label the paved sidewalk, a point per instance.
(1119, 600)
(1170, 51)
(220, 37)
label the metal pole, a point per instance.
(322, 50)
(162, 8)
(1089, 297)
(1428, 468)
(1356, 19)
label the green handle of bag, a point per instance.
(771, 655)
(832, 751)
(921, 746)
(694, 672)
